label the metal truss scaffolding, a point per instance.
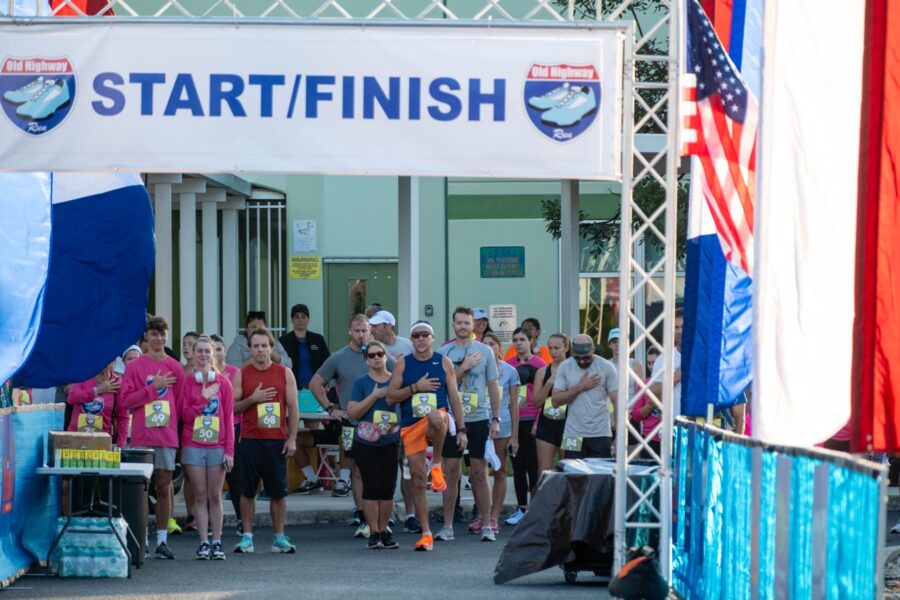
(651, 106)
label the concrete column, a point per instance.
(230, 317)
(162, 214)
(187, 262)
(408, 252)
(210, 274)
(570, 261)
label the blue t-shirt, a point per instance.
(381, 416)
(413, 370)
(304, 371)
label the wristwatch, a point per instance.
(330, 409)
(463, 430)
(496, 419)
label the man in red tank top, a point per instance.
(266, 394)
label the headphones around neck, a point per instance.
(210, 376)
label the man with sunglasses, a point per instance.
(585, 383)
(423, 384)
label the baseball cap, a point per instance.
(381, 317)
(613, 334)
(480, 313)
(299, 308)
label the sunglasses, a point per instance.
(419, 334)
(375, 355)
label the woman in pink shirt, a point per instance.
(524, 458)
(95, 403)
(206, 403)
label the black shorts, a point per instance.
(593, 447)
(550, 431)
(478, 433)
(378, 467)
(262, 459)
(330, 434)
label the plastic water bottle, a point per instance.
(406, 473)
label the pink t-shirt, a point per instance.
(87, 409)
(155, 418)
(192, 403)
(529, 411)
(648, 422)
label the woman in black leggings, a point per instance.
(552, 421)
(525, 463)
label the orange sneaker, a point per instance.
(437, 479)
(425, 543)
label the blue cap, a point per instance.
(613, 335)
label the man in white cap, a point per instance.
(586, 383)
(382, 324)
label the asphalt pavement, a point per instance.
(329, 563)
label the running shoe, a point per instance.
(357, 519)
(487, 535)
(173, 528)
(445, 534)
(391, 522)
(438, 484)
(466, 485)
(282, 545)
(52, 96)
(495, 526)
(245, 545)
(375, 542)
(162, 551)
(896, 528)
(308, 486)
(412, 525)
(516, 517)
(549, 99)
(388, 542)
(26, 92)
(425, 543)
(341, 489)
(203, 552)
(362, 531)
(216, 552)
(572, 108)
(475, 526)
(190, 524)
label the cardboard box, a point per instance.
(77, 440)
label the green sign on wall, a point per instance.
(502, 261)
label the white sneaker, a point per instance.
(445, 534)
(516, 517)
(487, 535)
(896, 527)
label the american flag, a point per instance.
(720, 130)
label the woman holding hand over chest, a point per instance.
(207, 441)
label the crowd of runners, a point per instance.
(408, 411)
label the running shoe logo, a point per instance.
(37, 92)
(562, 100)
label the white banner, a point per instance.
(332, 99)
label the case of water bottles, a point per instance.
(89, 548)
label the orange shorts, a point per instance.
(415, 437)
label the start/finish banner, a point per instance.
(332, 99)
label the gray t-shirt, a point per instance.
(239, 352)
(344, 367)
(402, 347)
(475, 381)
(588, 414)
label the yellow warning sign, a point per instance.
(306, 267)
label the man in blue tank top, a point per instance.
(422, 384)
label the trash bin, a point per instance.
(134, 502)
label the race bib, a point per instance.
(523, 395)
(90, 423)
(469, 403)
(268, 415)
(157, 414)
(571, 443)
(385, 420)
(424, 404)
(347, 438)
(557, 413)
(206, 430)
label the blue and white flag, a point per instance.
(92, 304)
(722, 122)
